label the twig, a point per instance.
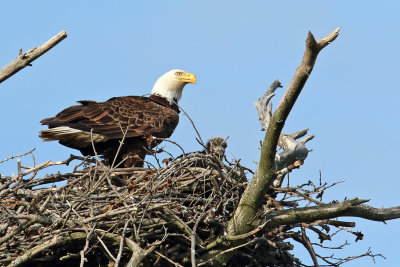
(308, 246)
(121, 143)
(17, 156)
(121, 244)
(224, 252)
(168, 259)
(193, 239)
(85, 248)
(194, 126)
(106, 249)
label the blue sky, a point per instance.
(236, 49)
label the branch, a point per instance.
(347, 208)
(193, 239)
(373, 214)
(307, 244)
(252, 198)
(18, 156)
(311, 214)
(264, 107)
(293, 150)
(26, 58)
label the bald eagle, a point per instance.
(132, 119)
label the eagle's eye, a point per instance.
(178, 73)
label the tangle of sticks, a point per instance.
(167, 216)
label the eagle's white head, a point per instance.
(170, 85)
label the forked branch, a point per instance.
(251, 201)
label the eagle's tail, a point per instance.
(71, 137)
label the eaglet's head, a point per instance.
(217, 146)
(171, 84)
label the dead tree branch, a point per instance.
(251, 200)
(25, 59)
(264, 106)
(373, 214)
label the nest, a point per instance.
(165, 216)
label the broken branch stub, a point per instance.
(264, 106)
(293, 150)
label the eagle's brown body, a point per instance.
(99, 127)
(105, 124)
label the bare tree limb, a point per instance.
(253, 196)
(347, 208)
(311, 214)
(26, 58)
(373, 214)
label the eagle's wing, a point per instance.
(137, 116)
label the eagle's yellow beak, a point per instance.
(187, 78)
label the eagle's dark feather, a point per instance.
(137, 117)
